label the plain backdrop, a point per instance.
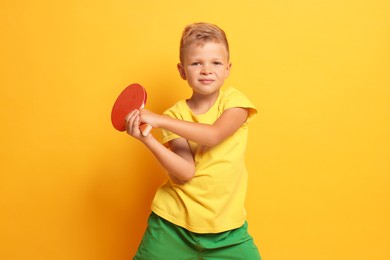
(73, 188)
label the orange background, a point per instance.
(71, 187)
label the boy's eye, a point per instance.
(217, 63)
(195, 64)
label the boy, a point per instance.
(199, 212)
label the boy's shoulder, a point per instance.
(231, 91)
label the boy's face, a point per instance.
(205, 66)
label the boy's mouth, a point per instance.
(206, 81)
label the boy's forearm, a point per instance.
(196, 132)
(179, 169)
(206, 134)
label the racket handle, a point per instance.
(145, 129)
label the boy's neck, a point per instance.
(200, 104)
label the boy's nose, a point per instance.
(206, 69)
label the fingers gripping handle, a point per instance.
(145, 129)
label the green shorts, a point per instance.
(165, 241)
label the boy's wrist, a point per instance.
(148, 140)
(160, 121)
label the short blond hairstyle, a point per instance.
(202, 33)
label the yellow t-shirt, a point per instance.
(213, 200)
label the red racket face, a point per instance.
(132, 97)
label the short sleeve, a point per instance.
(234, 98)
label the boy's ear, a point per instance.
(228, 68)
(181, 71)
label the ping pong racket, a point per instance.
(132, 97)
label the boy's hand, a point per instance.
(132, 125)
(148, 117)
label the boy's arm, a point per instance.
(210, 135)
(178, 160)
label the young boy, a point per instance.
(199, 212)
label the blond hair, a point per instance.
(202, 33)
